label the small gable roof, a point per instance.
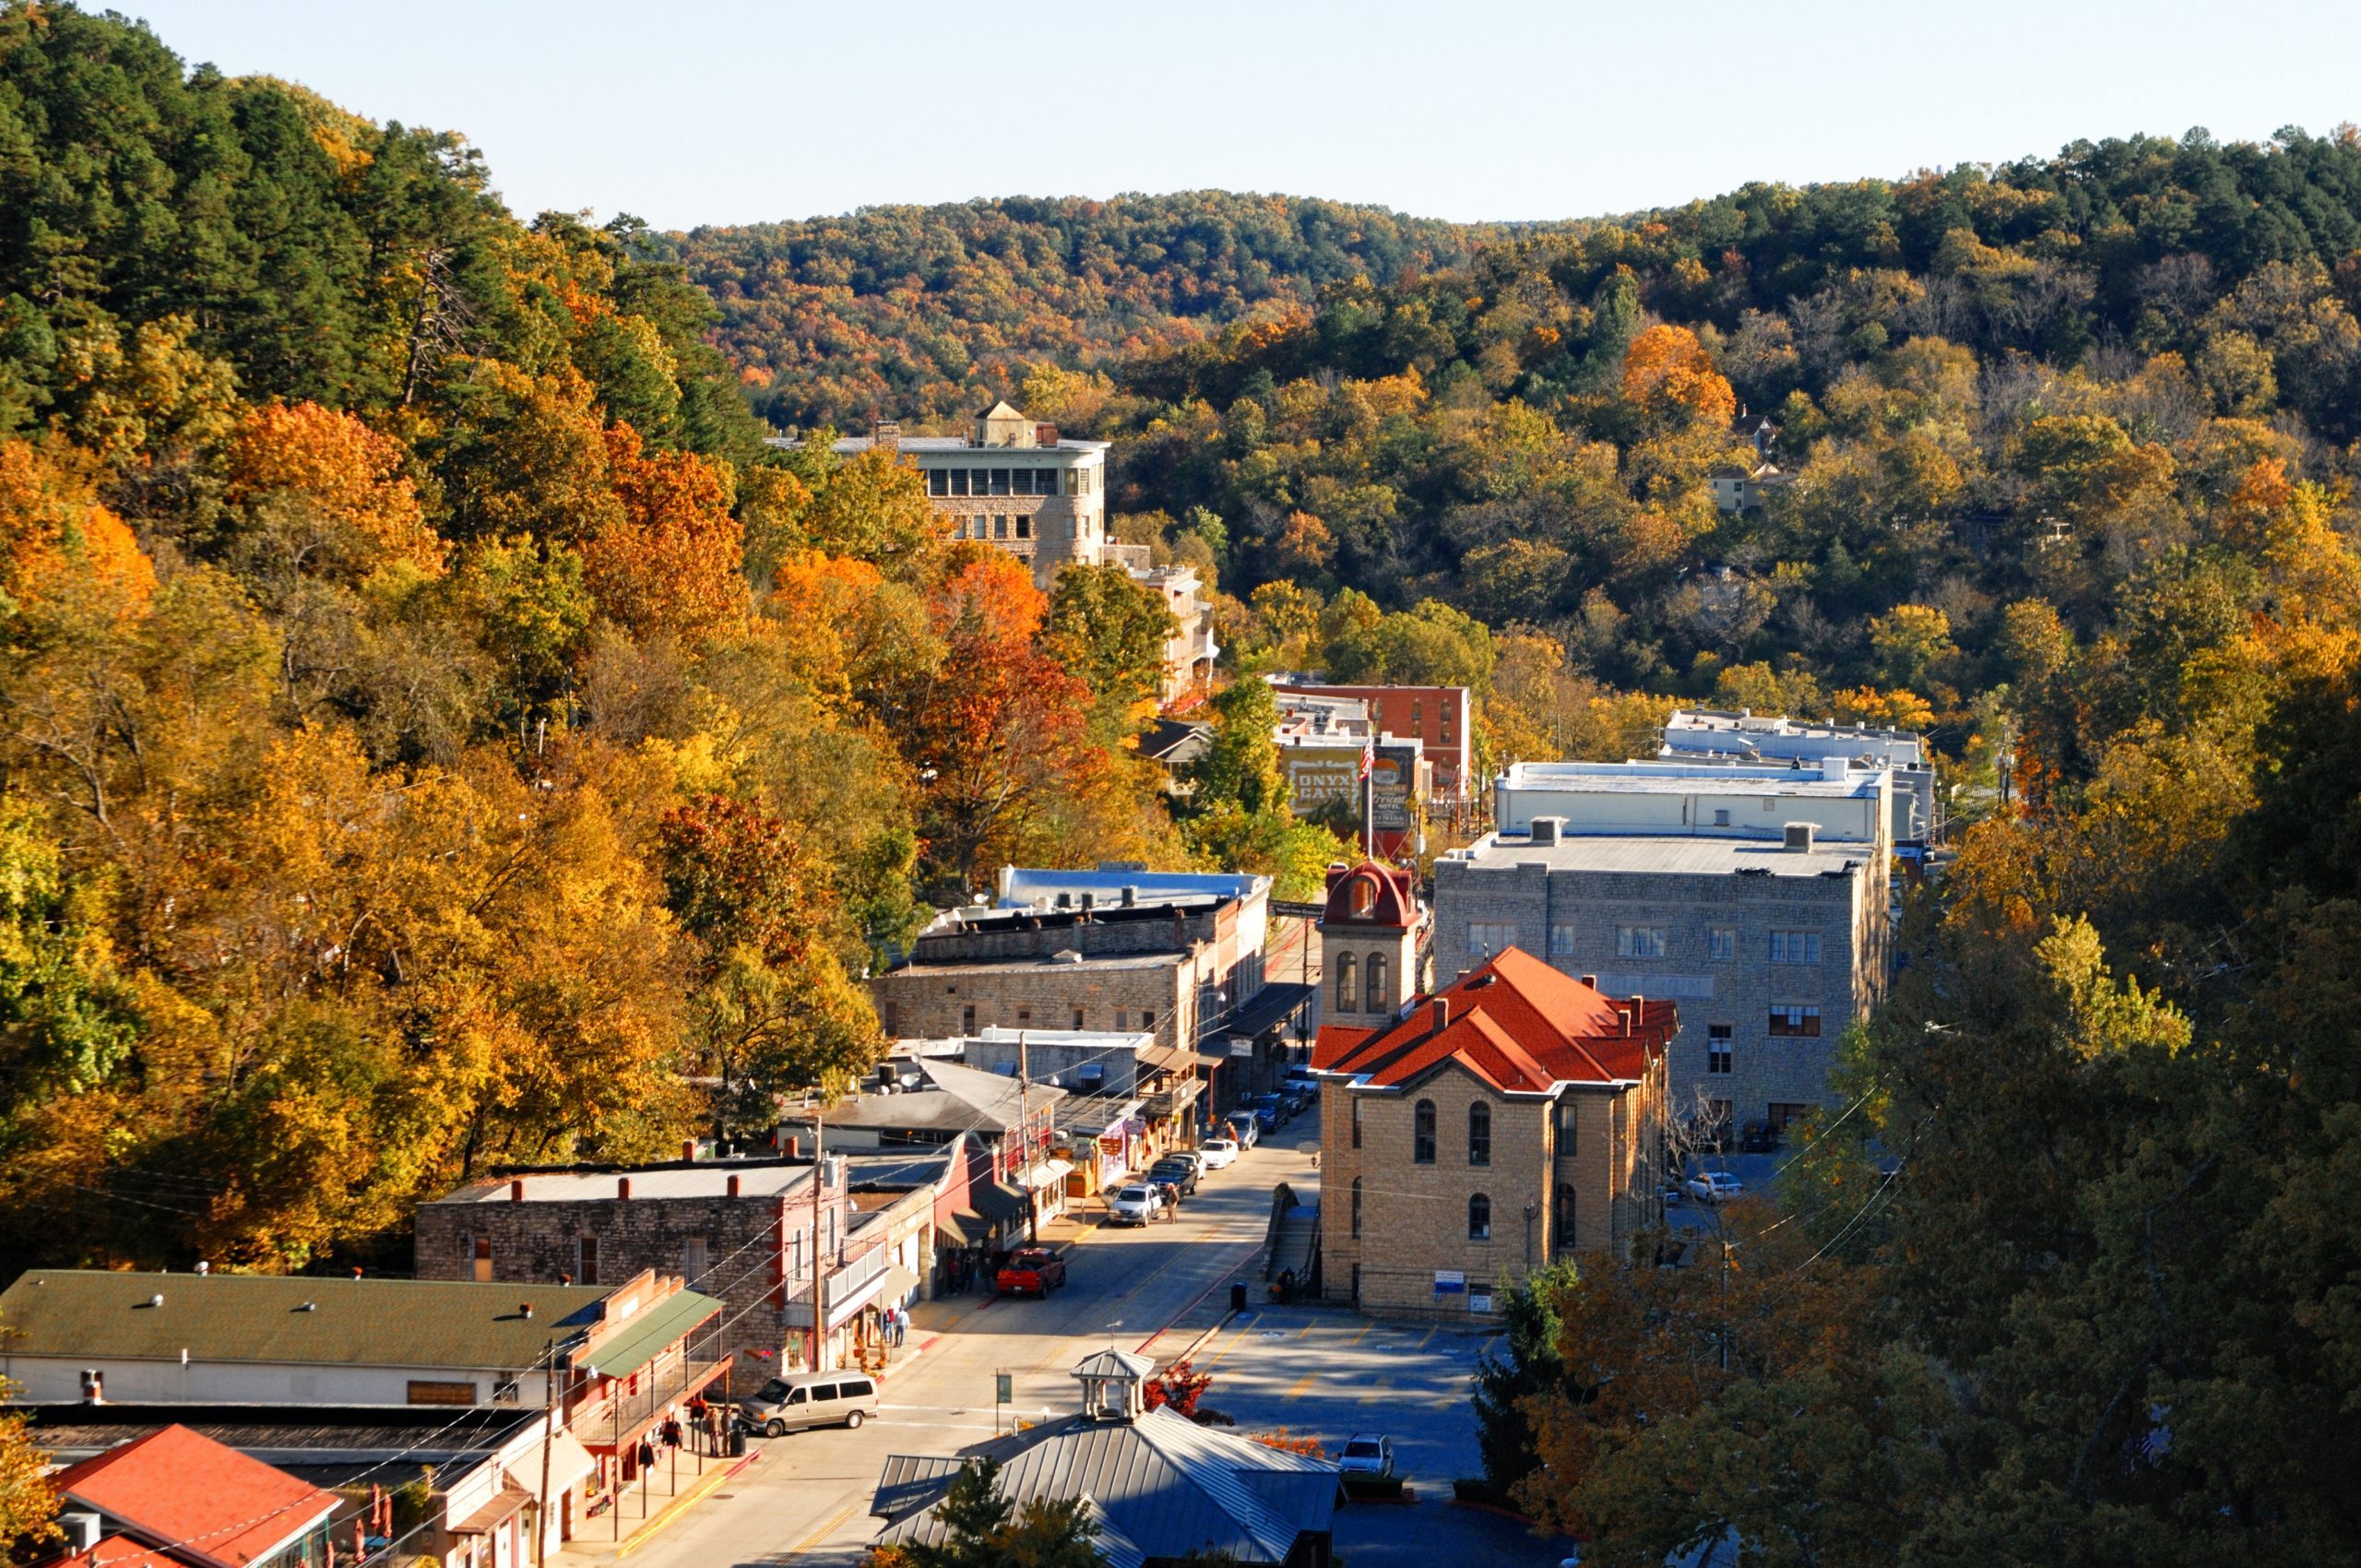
(200, 1501)
(1516, 1023)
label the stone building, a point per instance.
(742, 1230)
(1439, 718)
(1011, 480)
(1759, 900)
(1748, 739)
(1374, 934)
(1515, 1115)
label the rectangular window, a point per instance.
(1073, 482)
(1357, 1120)
(1487, 937)
(1120, 1016)
(968, 1019)
(958, 482)
(1148, 1018)
(938, 481)
(1795, 947)
(1024, 525)
(1721, 945)
(1795, 1018)
(1639, 942)
(585, 1252)
(1717, 1048)
(1000, 526)
(1721, 817)
(692, 1259)
(1089, 483)
(892, 1020)
(1000, 481)
(1025, 1017)
(1418, 715)
(1077, 1019)
(1569, 1124)
(424, 1393)
(483, 1259)
(1561, 939)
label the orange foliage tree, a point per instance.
(1669, 376)
(356, 478)
(671, 563)
(56, 540)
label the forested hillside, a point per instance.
(929, 312)
(406, 762)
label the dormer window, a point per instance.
(1364, 895)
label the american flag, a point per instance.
(1368, 756)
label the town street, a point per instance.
(809, 1494)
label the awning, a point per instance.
(569, 1463)
(1170, 1058)
(1049, 1174)
(1000, 1202)
(961, 1230)
(511, 1502)
(1174, 1101)
(899, 1282)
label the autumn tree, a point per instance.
(1112, 631)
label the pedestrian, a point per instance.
(646, 1456)
(712, 1430)
(901, 1326)
(671, 1431)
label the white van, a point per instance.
(795, 1401)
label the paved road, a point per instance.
(1315, 1370)
(807, 1499)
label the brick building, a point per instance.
(1515, 1115)
(1439, 718)
(1758, 899)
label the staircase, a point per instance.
(1293, 1239)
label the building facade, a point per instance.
(1514, 1116)
(1439, 718)
(1759, 903)
(1746, 738)
(1374, 932)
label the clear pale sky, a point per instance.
(724, 112)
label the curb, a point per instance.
(678, 1506)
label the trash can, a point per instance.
(1238, 1297)
(737, 1442)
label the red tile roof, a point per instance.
(1516, 1023)
(202, 1503)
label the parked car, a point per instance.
(1218, 1154)
(799, 1400)
(1135, 1205)
(1367, 1453)
(1030, 1271)
(1672, 1194)
(1246, 1128)
(1194, 1157)
(1269, 1112)
(1715, 1186)
(1176, 1171)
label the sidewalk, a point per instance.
(675, 1484)
(1060, 1235)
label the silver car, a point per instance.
(1135, 1205)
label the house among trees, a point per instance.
(174, 1499)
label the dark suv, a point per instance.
(1179, 1174)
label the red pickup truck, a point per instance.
(1030, 1271)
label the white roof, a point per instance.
(944, 446)
(1663, 854)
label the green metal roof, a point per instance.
(646, 1333)
(308, 1320)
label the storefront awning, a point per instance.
(569, 1463)
(505, 1506)
(999, 1202)
(899, 1282)
(1049, 1174)
(957, 1229)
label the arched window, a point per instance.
(1422, 1134)
(1348, 994)
(1356, 1206)
(1379, 1002)
(1479, 1219)
(1480, 1134)
(1364, 894)
(1562, 1216)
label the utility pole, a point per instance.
(819, 1178)
(1025, 1138)
(549, 1439)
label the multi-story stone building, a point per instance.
(1011, 480)
(1514, 1116)
(1758, 899)
(1373, 943)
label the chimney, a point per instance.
(1131, 896)
(1797, 836)
(794, 1147)
(517, 1189)
(1639, 1010)
(1439, 1013)
(622, 1187)
(885, 435)
(527, 1308)
(1624, 1014)
(1548, 829)
(689, 1149)
(733, 1183)
(203, 1268)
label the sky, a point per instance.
(689, 112)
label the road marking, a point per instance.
(1357, 1339)
(1422, 1344)
(1377, 1389)
(1233, 1343)
(808, 1542)
(1297, 1389)
(1306, 1329)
